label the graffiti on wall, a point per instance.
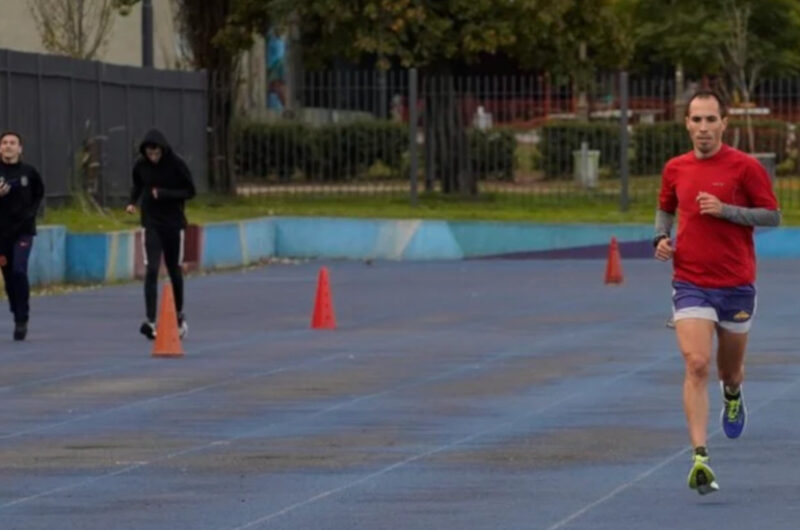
(276, 71)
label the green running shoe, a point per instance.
(701, 477)
(734, 415)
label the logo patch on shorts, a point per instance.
(741, 315)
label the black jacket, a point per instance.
(18, 208)
(172, 180)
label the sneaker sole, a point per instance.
(703, 483)
(705, 489)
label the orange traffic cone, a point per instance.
(323, 317)
(614, 265)
(168, 340)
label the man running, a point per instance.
(719, 195)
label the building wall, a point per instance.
(18, 32)
(269, 80)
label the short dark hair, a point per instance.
(709, 93)
(11, 133)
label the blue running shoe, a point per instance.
(701, 477)
(734, 415)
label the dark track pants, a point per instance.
(169, 243)
(14, 254)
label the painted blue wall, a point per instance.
(329, 237)
(430, 240)
(237, 243)
(80, 258)
(222, 246)
(258, 237)
(86, 256)
(494, 238)
(778, 243)
(121, 253)
(47, 263)
(433, 240)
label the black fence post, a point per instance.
(624, 171)
(412, 133)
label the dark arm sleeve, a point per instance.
(186, 190)
(37, 193)
(763, 209)
(667, 203)
(664, 222)
(136, 189)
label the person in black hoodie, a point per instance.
(21, 193)
(163, 182)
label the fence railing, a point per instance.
(529, 137)
(82, 121)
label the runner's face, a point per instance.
(705, 125)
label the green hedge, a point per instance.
(655, 144)
(269, 151)
(492, 153)
(770, 136)
(560, 139)
(272, 149)
(326, 153)
(346, 151)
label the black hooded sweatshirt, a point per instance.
(19, 206)
(172, 180)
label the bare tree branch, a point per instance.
(77, 28)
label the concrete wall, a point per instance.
(97, 258)
(778, 243)
(114, 256)
(93, 258)
(47, 262)
(232, 244)
(430, 240)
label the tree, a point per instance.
(682, 33)
(741, 40)
(218, 32)
(436, 36)
(76, 28)
(758, 38)
(417, 33)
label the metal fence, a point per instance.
(82, 121)
(526, 137)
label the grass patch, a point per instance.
(549, 205)
(77, 220)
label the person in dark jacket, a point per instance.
(163, 182)
(21, 193)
